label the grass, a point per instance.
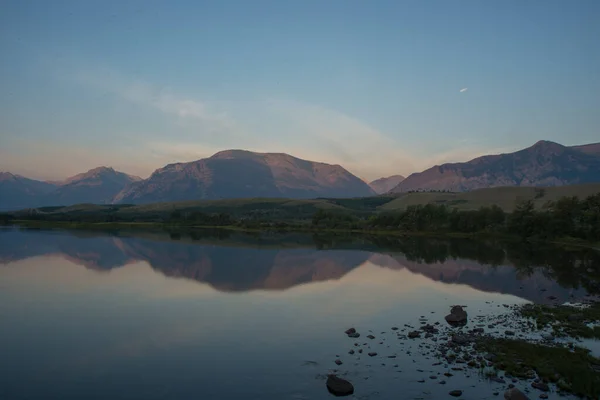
(572, 370)
(504, 197)
(565, 320)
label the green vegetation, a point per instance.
(573, 370)
(566, 320)
(565, 219)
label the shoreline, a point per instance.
(530, 350)
(165, 227)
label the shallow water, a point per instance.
(225, 316)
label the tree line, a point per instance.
(567, 217)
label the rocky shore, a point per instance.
(529, 350)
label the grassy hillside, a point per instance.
(293, 210)
(504, 197)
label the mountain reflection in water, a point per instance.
(235, 262)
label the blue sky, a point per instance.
(372, 85)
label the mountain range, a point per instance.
(98, 185)
(244, 174)
(543, 164)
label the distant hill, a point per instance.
(245, 174)
(504, 197)
(543, 164)
(98, 185)
(19, 192)
(384, 185)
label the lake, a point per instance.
(226, 315)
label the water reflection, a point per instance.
(119, 315)
(230, 261)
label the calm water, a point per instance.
(230, 316)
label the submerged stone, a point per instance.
(338, 386)
(515, 394)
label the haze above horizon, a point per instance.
(381, 87)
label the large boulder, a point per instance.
(457, 316)
(338, 386)
(515, 394)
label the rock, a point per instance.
(547, 336)
(338, 362)
(442, 382)
(509, 333)
(457, 316)
(372, 354)
(350, 331)
(360, 351)
(351, 352)
(540, 386)
(460, 339)
(455, 393)
(497, 379)
(433, 377)
(515, 394)
(394, 328)
(414, 334)
(354, 335)
(371, 337)
(338, 386)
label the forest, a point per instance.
(568, 217)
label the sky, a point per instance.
(379, 87)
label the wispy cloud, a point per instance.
(208, 118)
(196, 128)
(464, 90)
(323, 134)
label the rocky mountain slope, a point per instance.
(239, 173)
(384, 185)
(19, 192)
(543, 164)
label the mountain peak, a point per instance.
(234, 153)
(101, 169)
(547, 147)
